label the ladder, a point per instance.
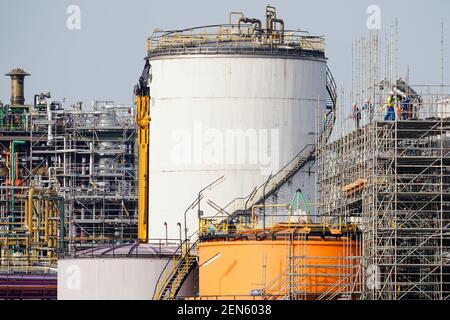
(176, 270)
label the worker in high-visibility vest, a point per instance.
(390, 105)
(356, 115)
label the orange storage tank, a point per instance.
(276, 268)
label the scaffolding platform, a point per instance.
(402, 208)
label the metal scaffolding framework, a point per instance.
(67, 180)
(392, 178)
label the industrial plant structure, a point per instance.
(67, 182)
(237, 176)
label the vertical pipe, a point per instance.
(179, 226)
(62, 230)
(166, 228)
(49, 118)
(13, 178)
(29, 211)
(46, 219)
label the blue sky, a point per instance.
(104, 59)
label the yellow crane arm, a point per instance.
(142, 93)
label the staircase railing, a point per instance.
(331, 105)
(341, 286)
(175, 271)
(307, 153)
(265, 190)
(277, 288)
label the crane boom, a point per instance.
(142, 93)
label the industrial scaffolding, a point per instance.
(392, 178)
(100, 177)
(67, 180)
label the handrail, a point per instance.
(285, 175)
(331, 88)
(332, 92)
(177, 254)
(268, 292)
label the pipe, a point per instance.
(234, 13)
(52, 228)
(46, 219)
(179, 226)
(29, 210)
(271, 12)
(165, 225)
(61, 225)
(273, 23)
(13, 174)
(264, 201)
(49, 118)
(249, 20)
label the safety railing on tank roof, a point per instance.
(261, 220)
(111, 249)
(212, 39)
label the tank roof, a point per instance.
(129, 250)
(246, 36)
(223, 39)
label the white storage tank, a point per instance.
(239, 101)
(123, 272)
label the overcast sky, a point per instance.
(104, 59)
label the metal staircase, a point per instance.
(176, 270)
(330, 104)
(277, 289)
(274, 183)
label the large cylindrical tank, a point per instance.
(124, 272)
(239, 112)
(309, 268)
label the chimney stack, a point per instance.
(17, 86)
